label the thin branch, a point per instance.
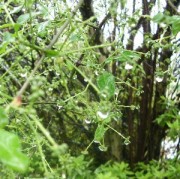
(104, 20)
(173, 6)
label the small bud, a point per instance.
(17, 101)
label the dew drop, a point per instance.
(75, 77)
(159, 79)
(63, 175)
(102, 115)
(126, 141)
(96, 73)
(57, 74)
(96, 141)
(128, 66)
(87, 121)
(59, 107)
(104, 95)
(23, 75)
(85, 79)
(102, 148)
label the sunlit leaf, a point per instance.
(10, 152)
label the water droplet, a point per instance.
(102, 148)
(57, 74)
(86, 80)
(102, 115)
(23, 75)
(59, 107)
(96, 141)
(128, 66)
(127, 141)
(116, 92)
(159, 79)
(87, 121)
(138, 93)
(63, 175)
(96, 73)
(74, 77)
(104, 95)
(85, 152)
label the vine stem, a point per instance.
(85, 77)
(116, 131)
(38, 144)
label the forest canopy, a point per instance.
(89, 89)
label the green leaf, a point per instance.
(174, 20)
(99, 133)
(42, 28)
(23, 18)
(3, 47)
(69, 65)
(3, 118)
(8, 37)
(16, 27)
(128, 55)
(176, 25)
(16, 9)
(10, 152)
(125, 56)
(51, 53)
(106, 84)
(160, 17)
(29, 3)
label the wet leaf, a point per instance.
(106, 84)
(10, 152)
(99, 133)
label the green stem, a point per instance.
(46, 133)
(116, 131)
(8, 14)
(89, 145)
(38, 144)
(85, 77)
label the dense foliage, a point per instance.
(89, 89)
